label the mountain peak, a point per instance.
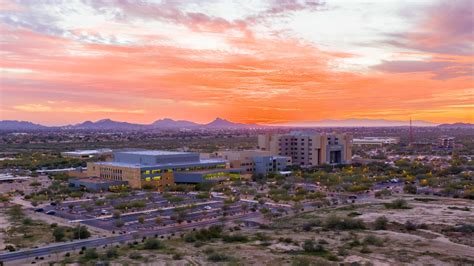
(170, 123)
(105, 120)
(223, 123)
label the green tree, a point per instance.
(59, 234)
(91, 254)
(81, 232)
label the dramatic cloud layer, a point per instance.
(248, 61)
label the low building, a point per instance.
(376, 141)
(95, 183)
(271, 164)
(86, 154)
(160, 169)
(255, 161)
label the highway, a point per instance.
(97, 242)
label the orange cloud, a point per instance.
(251, 77)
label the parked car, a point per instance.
(39, 210)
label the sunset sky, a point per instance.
(246, 61)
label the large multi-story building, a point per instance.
(309, 149)
(255, 161)
(446, 142)
(161, 168)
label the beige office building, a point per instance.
(255, 161)
(309, 149)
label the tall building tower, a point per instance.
(309, 149)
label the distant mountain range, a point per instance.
(19, 125)
(105, 124)
(167, 123)
(354, 122)
(457, 125)
(108, 124)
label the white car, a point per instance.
(207, 207)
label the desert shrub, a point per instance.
(15, 212)
(410, 189)
(204, 234)
(311, 247)
(27, 221)
(10, 248)
(177, 256)
(410, 226)
(338, 223)
(425, 199)
(119, 223)
(308, 226)
(464, 228)
(116, 215)
(466, 209)
(423, 226)
(285, 240)
(235, 238)
(90, 254)
(381, 223)
(365, 250)
(262, 236)
(152, 243)
(322, 242)
(354, 214)
(373, 240)
(112, 253)
(135, 256)
(342, 252)
(382, 193)
(397, 204)
(216, 257)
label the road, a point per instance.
(89, 243)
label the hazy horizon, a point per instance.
(350, 122)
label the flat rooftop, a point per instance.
(163, 165)
(155, 152)
(87, 152)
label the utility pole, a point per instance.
(411, 132)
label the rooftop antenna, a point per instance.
(411, 132)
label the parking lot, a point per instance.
(144, 210)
